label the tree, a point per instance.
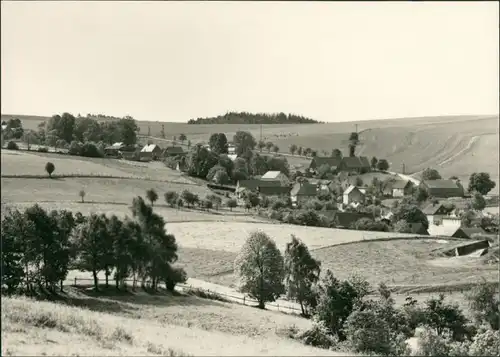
(484, 303)
(374, 162)
(269, 146)
(478, 201)
(293, 149)
(88, 239)
(218, 143)
(383, 165)
(240, 171)
(188, 197)
(152, 196)
(200, 160)
(171, 198)
(243, 141)
(231, 203)
(402, 226)
(410, 213)
(81, 194)
(481, 182)
(353, 142)
(252, 199)
(336, 301)
(420, 194)
(259, 266)
(337, 153)
(276, 148)
(300, 151)
(430, 174)
(444, 317)
(182, 137)
(49, 167)
(213, 171)
(127, 128)
(162, 132)
(261, 145)
(221, 177)
(301, 274)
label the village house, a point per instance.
(276, 176)
(114, 150)
(173, 151)
(447, 227)
(356, 164)
(353, 195)
(318, 161)
(435, 213)
(443, 188)
(303, 192)
(400, 188)
(151, 152)
(253, 185)
(463, 232)
(274, 191)
(322, 185)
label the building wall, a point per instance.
(353, 196)
(398, 192)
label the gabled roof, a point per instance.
(399, 184)
(432, 208)
(304, 189)
(254, 184)
(350, 189)
(330, 161)
(364, 161)
(355, 162)
(271, 175)
(150, 148)
(473, 230)
(440, 184)
(418, 228)
(117, 145)
(274, 190)
(319, 182)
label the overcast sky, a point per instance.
(172, 61)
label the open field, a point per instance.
(33, 163)
(141, 324)
(456, 145)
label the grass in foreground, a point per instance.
(142, 324)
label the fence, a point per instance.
(243, 300)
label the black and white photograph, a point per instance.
(250, 178)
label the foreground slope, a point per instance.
(141, 324)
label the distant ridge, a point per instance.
(250, 118)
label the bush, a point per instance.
(173, 277)
(485, 343)
(75, 148)
(12, 145)
(318, 336)
(90, 150)
(42, 149)
(50, 167)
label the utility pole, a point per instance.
(356, 125)
(403, 168)
(260, 132)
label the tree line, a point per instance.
(346, 317)
(39, 248)
(251, 118)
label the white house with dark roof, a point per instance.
(150, 152)
(353, 194)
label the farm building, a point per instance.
(354, 164)
(346, 219)
(322, 185)
(463, 232)
(173, 151)
(302, 192)
(400, 188)
(435, 213)
(151, 152)
(317, 162)
(443, 188)
(114, 150)
(353, 194)
(276, 176)
(418, 228)
(253, 185)
(273, 190)
(447, 227)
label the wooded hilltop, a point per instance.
(250, 118)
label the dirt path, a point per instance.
(465, 149)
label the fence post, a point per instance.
(244, 300)
(75, 280)
(278, 306)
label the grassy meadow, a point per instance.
(139, 324)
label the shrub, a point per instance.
(12, 145)
(75, 148)
(90, 150)
(42, 149)
(318, 336)
(231, 203)
(49, 167)
(485, 343)
(174, 276)
(171, 197)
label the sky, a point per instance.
(173, 61)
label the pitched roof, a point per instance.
(149, 148)
(441, 184)
(319, 182)
(271, 175)
(274, 190)
(117, 145)
(418, 228)
(399, 184)
(364, 161)
(330, 161)
(472, 230)
(254, 184)
(350, 189)
(356, 162)
(304, 189)
(345, 219)
(432, 208)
